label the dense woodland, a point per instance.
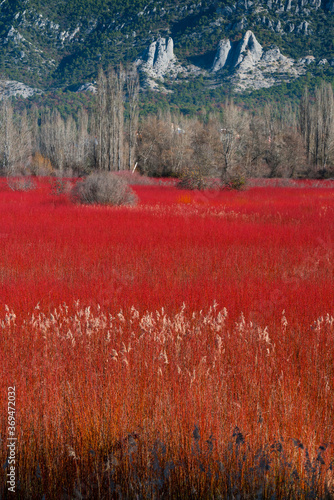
(274, 141)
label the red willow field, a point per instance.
(181, 348)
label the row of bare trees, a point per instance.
(317, 126)
(41, 143)
(33, 144)
(275, 142)
(15, 139)
(230, 145)
(65, 143)
(278, 141)
(108, 122)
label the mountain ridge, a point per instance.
(62, 44)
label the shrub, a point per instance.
(237, 182)
(60, 185)
(193, 178)
(21, 183)
(103, 188)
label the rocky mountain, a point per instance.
(253, 67)
(249, 44)
(245, 63)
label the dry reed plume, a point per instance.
(185, 406)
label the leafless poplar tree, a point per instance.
(34, 126)
(109, 120)
(323, 125)
(101, 123)
(234, 131)
(119, 118)
(52, 138)
(23, 142)
(15, 140)
(66, 143)
(132, 87)
(316, 124)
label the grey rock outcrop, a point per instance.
(288, 5)
(223, 51)
(266, 22)
(303, 28)
(248, 51)
(250, 66)
(278, 27)
(88, 87)
(10, 88)
(159, 57)
(316, 4)
(307, 60)
(240, 25)
(274, 56)
(14, 36)
(159, 61)
(243, 54)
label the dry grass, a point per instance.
(151, 405)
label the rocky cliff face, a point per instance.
(222, 58)
(159, 61)
(243, 55)
(251, 67)
(159, 58)
(244, 63)
(10, 88)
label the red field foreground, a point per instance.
(182, 348)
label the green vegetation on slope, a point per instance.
(61, 44)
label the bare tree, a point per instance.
(7, 137)
(119, 117)
(234, 132)
(102, 123)
(15, 140)
(109, 121)
(323, 118)
(132, 86)
(276, 146)
(154, 146)
(85, 143)
(23, 142)
(182, 143)
(66, 143)
(34, 126)
(52, 138)
(206, 152)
